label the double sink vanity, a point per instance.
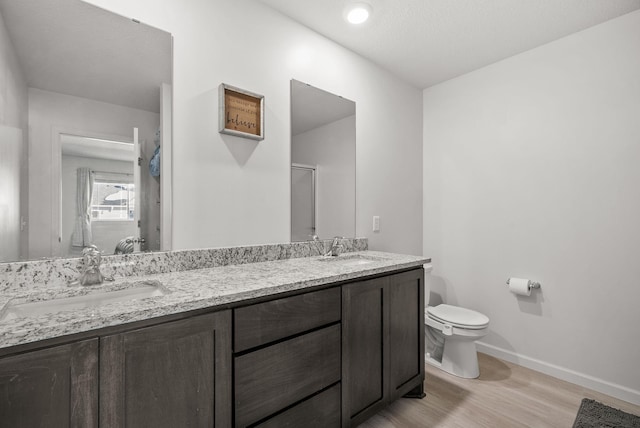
(261, 336)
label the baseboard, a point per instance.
(600, 385)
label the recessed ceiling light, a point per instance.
(357, 13)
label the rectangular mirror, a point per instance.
(323, 164)
(81, 85)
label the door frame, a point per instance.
(56, 177)
(314, 183)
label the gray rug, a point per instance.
(593, 414)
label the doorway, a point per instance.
(303, 202)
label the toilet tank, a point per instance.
(427, 283)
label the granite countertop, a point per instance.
(191, 290)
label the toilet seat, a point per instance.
(458, 317)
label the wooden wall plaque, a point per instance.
(241, 112)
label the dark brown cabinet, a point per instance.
(53, 387)
(287, 361)
(262, 323)
(273, 378)
(323, 358)
(320, 411)
(168, 375)
(406, 334)
(364, 329)
(382, 343)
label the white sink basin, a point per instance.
(138, 290)
(351, 260)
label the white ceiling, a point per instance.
(312, 107)
(75, 48)
(426, 42)
(74, 145)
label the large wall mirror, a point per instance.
(85, 131)
(323, 164)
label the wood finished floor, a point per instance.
(505, 395)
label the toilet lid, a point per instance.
(459, 317)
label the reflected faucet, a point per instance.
(336, 247)
(91, 275)
(318, 244)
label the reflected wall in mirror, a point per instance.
(99, 177)
(76, 81)
(323, 164)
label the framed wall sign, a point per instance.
(241, 112)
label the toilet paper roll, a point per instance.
(520, 286)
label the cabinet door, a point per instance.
(365, 330)
(176, 374)
(406, 332)
(54, 387)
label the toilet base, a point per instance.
(459, 358)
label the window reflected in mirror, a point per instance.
(113, 200)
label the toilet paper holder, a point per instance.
(531, 284)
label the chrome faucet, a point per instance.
(336, 247)
(91, 274)
(318, 244)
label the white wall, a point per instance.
(13, 88)
(13, 172)
(10, 160)
(228, 190)
(331, 149)
(106, 234)
(48, 112)
(532, 170)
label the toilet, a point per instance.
(451, 333)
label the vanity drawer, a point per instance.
(280, 375)
(262, 323)
(319, 411)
